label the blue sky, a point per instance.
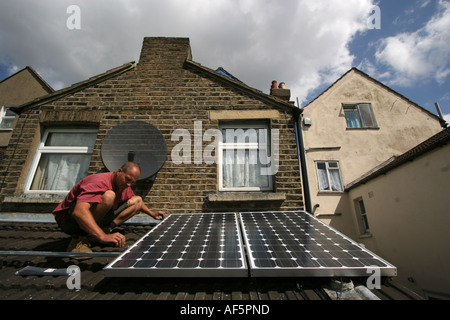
(307, 44)
(412, 19)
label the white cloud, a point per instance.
(420, 55)
(301, 42)
(447, 118)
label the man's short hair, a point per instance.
(130, 165)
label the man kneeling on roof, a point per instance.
(99, 203)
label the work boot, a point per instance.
(79, 244)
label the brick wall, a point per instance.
(160, 91)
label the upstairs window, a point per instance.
(62, 159)
(6, 118)
(244, 157)
(363, 222)
(359, 116)
(329, 176)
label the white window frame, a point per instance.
(327, 167)
(3, 116)
(243, 145)
(42, 149)
(357, 108)
(361, 212)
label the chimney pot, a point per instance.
(274, 84)
(282, 85)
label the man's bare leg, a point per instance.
(134, 206)
(99, 210)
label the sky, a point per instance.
(308, 44)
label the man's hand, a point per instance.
(158, 215)
(117, 239)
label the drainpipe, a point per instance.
(302, 162)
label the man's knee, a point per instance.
(108, 197)
(135, 201)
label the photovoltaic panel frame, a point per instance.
(186, 245)
(297, 244)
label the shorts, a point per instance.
(70, 226)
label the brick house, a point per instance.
(170, 91)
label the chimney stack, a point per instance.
(280, 92)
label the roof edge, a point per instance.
(35, 75)
(380, 84)
(436, 141)
(41, 80)
(74, 88)
(243, 87)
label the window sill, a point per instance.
(366, 128)
(330, 192)
(245, 197)
(365, 235)
(35, 198)
(324, 215)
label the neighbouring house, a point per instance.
(402, 211)
(358, 129)
(352, 127)
(23, 86)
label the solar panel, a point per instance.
(298, 244)
(278, 244)
(186, 245)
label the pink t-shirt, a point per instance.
(90, 189)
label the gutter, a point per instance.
(301, 154)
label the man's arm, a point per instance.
(158, 215)
(86, 221)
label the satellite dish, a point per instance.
(136, 141)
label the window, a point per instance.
(6, 118)
(244, 160)
(329, 176)
(359, 116)
(62, 159)
(362, 216)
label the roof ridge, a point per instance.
(34, 73)
(242, 86)
(74, 87)
(362, 73)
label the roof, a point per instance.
(74, 88)
(36, 75)
(239, 85)
(46, 237)
(219, 74)
(377, 82)
(438, 140)
(226, 73)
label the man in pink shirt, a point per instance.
(98, 203)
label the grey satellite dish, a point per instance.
(136, 141)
